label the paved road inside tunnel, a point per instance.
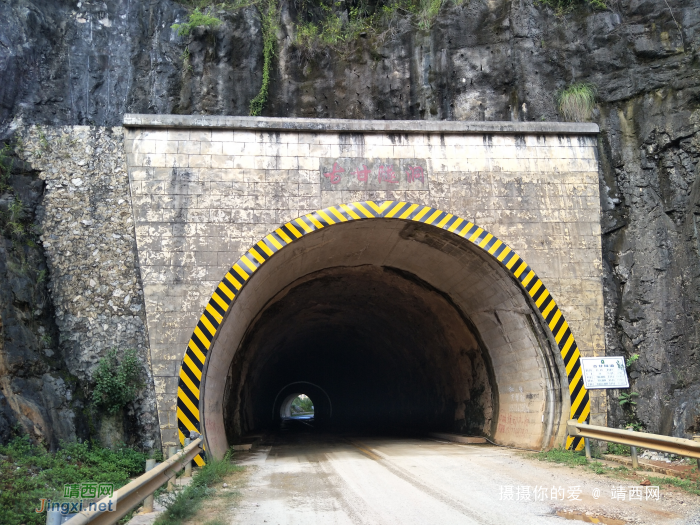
(310, 479)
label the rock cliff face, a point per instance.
(36, 391)
(90, 62)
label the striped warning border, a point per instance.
(224, 295)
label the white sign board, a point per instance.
(604, 372)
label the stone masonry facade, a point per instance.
(87, 232)
(205, 189)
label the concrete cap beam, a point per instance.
(132, 120)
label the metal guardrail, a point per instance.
(135, 492)
(679, 446)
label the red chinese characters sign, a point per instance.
(369, 174)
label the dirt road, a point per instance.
(409, 481)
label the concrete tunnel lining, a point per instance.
(392, 352)
(529, 376)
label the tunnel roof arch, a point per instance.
(197, 355)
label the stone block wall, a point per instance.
(205, 189)
(87, 232)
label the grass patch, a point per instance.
(562, 7)
(559, 455)
(578, 459)
(687, 485)
(185, 503)
(197, 19)
(427, 13)
(29, 473)
(329, 24)
(576, 102)
(572, 459)
(620, 450)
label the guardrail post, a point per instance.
(53, 517)
(171, 482)
(633, 452)
(587, 444)
(696, 437)
(188, 465)
(148, 502)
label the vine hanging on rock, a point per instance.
(269, 18)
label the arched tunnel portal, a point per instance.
(405, 317)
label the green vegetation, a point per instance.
(636, 426)
(559, 455)
(576, 102)
(269, 17)
(43, 141)
(6, 162)
(29, 473)
(303, 404)
(627, 399)
(573, 459)
(427, 13)
(631, 360)
(687, 485)
(578, 459)
(561, 7)
(15, 222)
(185, 503)
(619, 450)
(204, 4)
(196, 19)
(330, 24)
(13, 219)
(185, 57)
(117, 380)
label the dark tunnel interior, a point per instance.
(376, 348)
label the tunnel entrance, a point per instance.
(297, 406)
(392, 353)
(423, 323)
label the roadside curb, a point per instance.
(647, 466)
(456, 438)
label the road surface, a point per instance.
(325, 480)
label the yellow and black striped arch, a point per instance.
(224, 295)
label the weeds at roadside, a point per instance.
(185, 503)
(29, 473)
(619, 450)
(559, 455)
(687, 485)
(577, 459)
